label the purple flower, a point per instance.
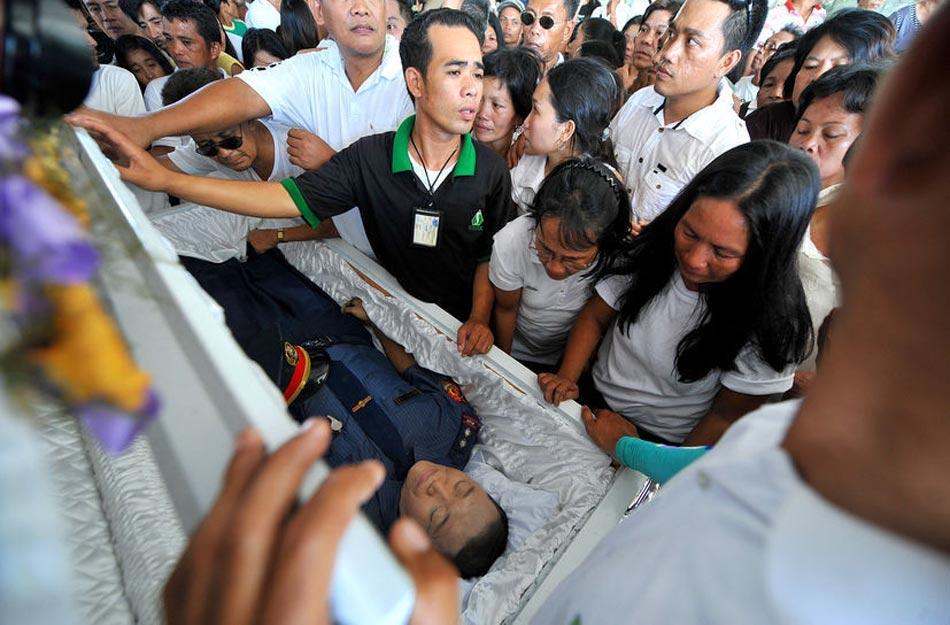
(115, 429)
(46, 242)
(11, 148)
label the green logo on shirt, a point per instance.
(478, 221)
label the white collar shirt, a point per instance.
(658, 159)
(526, 179)
(311, 91)
(733, 540)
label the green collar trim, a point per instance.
(465, 166)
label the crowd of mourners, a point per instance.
(633, 200)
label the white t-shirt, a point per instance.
(526, 179)
(153, 93)
(216, 235)
(311, 91)
(636, 370)
(115, 90)
(822, 289)
(737, 538)
(658, 159)
(190, 162)
(548, 307)
(262, 14)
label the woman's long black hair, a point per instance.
(297, 30)
(762, 303)
(586, 91)
(593, 208)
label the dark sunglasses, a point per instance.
(546, 21)
(210, 148)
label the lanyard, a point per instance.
(677, 124)
(425, 171)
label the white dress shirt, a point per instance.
(737, 538)
(311, 91)
(657, 159)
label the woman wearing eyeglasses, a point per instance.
(544, 264)
(703, 317)
(570, 111)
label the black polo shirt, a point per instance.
(375, 174)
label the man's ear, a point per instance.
(317, 10)
(216, 49)
(566, 37)
(727, 62)
(415, 82)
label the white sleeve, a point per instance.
(291, 89)
(612, 290)
(753, 376)
(506, 270)
(153, 95)
(190, 162)
(128, 94)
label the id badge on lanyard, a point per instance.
(426, 223)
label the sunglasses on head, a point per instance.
(545, 21)
(210, 148)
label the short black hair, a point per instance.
(184, 82)
(206, 20)
(792, 30)
(633, 21)
(741, 29)
(856, 84)
(495, 25)
(415, 47)
(131, 8)
(478, 9)
(128, 43)
(214, 5)
(478, 554)
(784, 52)
(867, 36)
(597, 49)
(405, 10)
(261, 39)
(520, 69)
(673, 6)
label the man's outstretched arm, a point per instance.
(135, 165)
(221, 105)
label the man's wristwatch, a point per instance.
(280, 236)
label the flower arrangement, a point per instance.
(53, 321)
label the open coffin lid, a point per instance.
(211, 390)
